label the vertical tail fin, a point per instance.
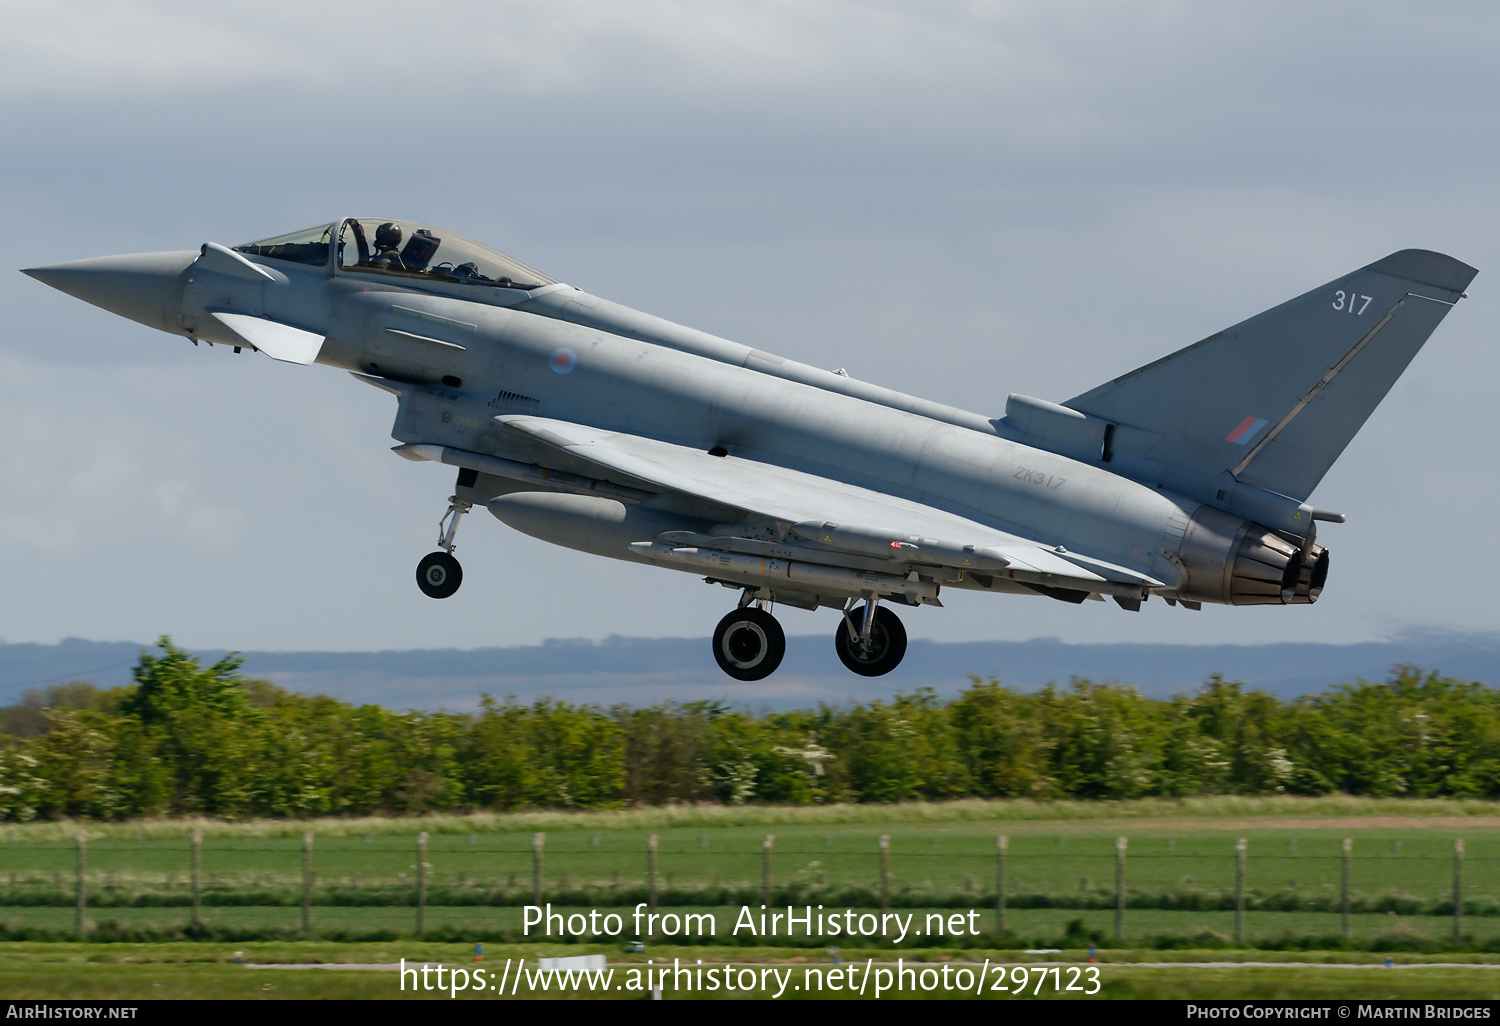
(1275, 399)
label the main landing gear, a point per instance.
(749, 644)
(438, 574)
(870, 640)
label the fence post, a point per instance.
(765, 867)
(307, 877)
(1002, 846)
(197, 879)
(651, 843)
(1239, 891)
(1458, 891)
(537, 841)
(78, 921)
(421, 879)
(1120, 888)
(885, 879)
(1348, 856)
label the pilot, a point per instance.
(387, 248)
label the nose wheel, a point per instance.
(438, 574)
(749, 644)
(870, 640)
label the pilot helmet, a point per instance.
(388, 236)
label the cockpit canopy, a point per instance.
(309, 246)
(400, 249)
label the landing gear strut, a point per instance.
(749, 644)
(438, 574)
(870, 639)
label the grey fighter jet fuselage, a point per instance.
(601, 428)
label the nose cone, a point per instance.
(139, 285)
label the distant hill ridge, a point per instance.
(643, 671)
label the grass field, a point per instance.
(1038, 927)
(191, 971)
(1180, 870)
(1294, 863)
(1048, 858)
(654, 818)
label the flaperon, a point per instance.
(601, 428)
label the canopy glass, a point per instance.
(309, 246)
(407, 250)
(402, 249)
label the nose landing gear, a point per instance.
(748, 643)
(870, 640)
(439, 574)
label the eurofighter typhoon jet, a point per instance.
(598, 427)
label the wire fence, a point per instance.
(1419, 876)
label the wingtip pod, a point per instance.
(1425, 267)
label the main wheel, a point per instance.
(749, 644)
(439, 575)
(886, 648)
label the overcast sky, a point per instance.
(959, 200)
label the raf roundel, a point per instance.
(563, 360)
(1247, 430)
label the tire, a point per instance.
(439, 575)
(749, 644)
(887, 643)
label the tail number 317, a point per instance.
(1349, 301)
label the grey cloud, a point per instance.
(960, 200)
